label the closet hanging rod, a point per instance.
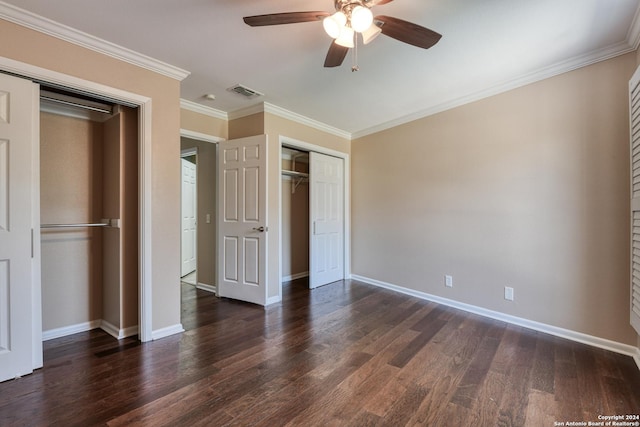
(99, 224)
(76, 104)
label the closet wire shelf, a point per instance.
(298, 176)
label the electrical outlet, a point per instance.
(448, 281)
(508, 293)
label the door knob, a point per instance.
(261, 229)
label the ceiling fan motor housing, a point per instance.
(347, 6)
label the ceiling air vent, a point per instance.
(245, 91)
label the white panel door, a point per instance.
(242, 219)
(189, 214)
(326, 212)
(18, 112)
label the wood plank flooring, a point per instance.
(346, 354)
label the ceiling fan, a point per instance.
(352, 17)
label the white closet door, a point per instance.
(18, 113)
(326, 212)
(189, 224)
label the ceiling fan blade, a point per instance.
(284, 18)
(407, 32)
(371, 3)
(336, 55)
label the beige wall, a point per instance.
(528, 189)
(246, 126)
(71, 258)
(204, 124)
(206, 183)
(35, 48)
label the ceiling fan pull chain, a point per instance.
(354, 66)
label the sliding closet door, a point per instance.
(326, 188)
(18, 113)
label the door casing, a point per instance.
(143, 103)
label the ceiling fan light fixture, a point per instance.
(370, 33)
(346, 37)
(361, 18)
(334, 24)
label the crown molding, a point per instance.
(541, 74)
(266, 107)
(47, 26)
(633, 35)
(246, 111)
(203, 109)
(290, 115)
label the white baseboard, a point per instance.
(273, 300)
(117, 332)
(88, 326)
(70, 330)
(530, 324)
(295, 276)
(165, 332)
(208, 288)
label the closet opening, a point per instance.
(313, 216)
(89, 210)
(295, 215)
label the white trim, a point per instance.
(636, 357)
(116, 332)
(295, 276)
(186, 133)
(145, 314)
(145, 145)
(203, 109)
(207, 288)
(246, 111)
(89, 326)
(70, 330)
(111, 329)
(529, 324)
(47, 26)
(266, 107)
(165, 332)
(633, 35)
(542, 74)
(188, 152)
(273, 300)
(37, 356)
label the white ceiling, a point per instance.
(487, 46)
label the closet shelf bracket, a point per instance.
(298, 177)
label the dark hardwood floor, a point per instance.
(343, 354)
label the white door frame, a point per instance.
(204, 137)
(305, 146)
(144, 151)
